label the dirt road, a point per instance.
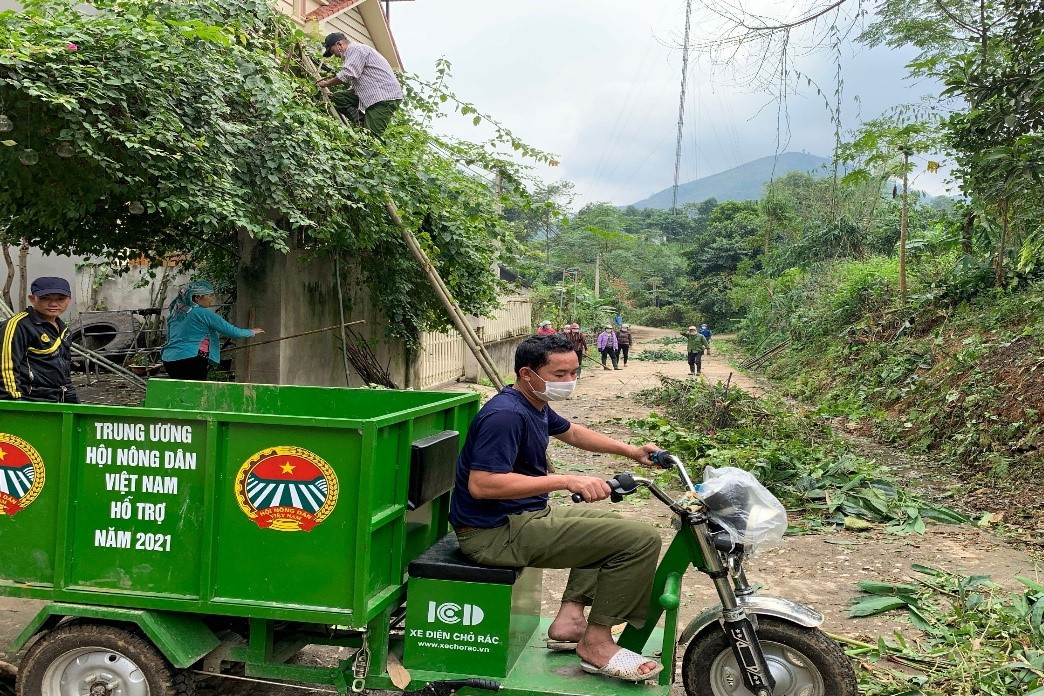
(820, 570)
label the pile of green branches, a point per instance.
(659, 355)
(977, 638)
(812, 471)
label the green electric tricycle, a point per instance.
(220, 528)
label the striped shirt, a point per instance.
(370, 75)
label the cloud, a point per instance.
(597, 82)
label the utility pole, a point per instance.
(681, 106)
(498, 191)
(598, 263)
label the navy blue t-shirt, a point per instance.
(507, 436)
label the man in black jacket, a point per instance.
(35, 362)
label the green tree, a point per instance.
(155, 127)
(880, 153)
(988, 55)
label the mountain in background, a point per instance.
(745, 182)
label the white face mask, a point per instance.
(554, 391)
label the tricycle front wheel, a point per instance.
(101, 660)
(803, 661)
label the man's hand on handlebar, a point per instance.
(590, 488)
(641, 454)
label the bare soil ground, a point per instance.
(820, 570)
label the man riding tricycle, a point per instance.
(225, 524)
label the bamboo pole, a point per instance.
(340, 307)
(457, 316)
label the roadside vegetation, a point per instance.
(817, 476)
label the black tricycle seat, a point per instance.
(444, 561)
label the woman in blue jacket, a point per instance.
(193, 333)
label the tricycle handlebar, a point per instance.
(619, 486)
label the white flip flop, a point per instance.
(561, 645)
(624, 665)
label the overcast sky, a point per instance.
(597, 83)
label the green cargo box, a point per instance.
(272, 502)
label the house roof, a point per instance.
(327, 11)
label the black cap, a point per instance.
(50, 286)
(331, 39)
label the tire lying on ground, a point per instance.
(112, 335)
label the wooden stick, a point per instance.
(595, 361)
(297, 335)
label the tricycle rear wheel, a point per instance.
(803, 661)
(101, 660)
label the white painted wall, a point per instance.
(93, 290)
(40, 264)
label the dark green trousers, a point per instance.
(612, 559)
(379, 115)
(375, 119)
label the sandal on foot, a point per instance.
(561, 645)
(624, 665)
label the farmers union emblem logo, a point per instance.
(288, 489)
(21, 474)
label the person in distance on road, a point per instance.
(697, 343)
(608, 346)
(623, 338)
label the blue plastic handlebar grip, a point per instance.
(659, 458)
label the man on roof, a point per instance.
(369, 75)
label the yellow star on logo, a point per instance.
(2, 454)
(287, 468)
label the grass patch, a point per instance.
(669, 341)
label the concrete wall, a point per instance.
(503, 355)
(291, 293)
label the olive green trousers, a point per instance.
(612, 559)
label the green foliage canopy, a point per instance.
(199, 112)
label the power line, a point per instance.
(681, 105)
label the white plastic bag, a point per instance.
(744, 508)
